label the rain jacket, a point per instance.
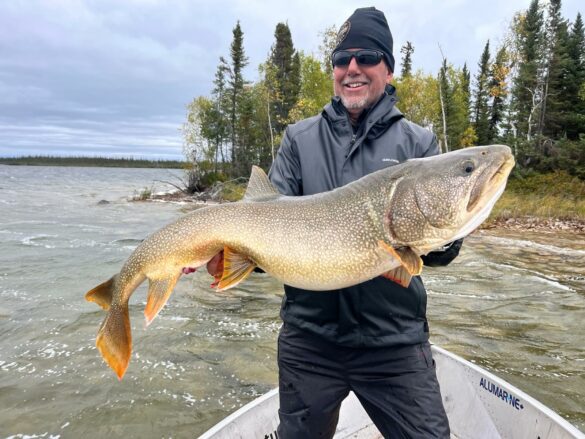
(320, 154)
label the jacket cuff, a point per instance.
(444, 256)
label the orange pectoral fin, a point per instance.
(399, 275)
(159, 291)
(236, 268)
(410, 264)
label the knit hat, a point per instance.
(367, 28)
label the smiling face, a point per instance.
(360, 86)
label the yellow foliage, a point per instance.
(418, 98)
(469, 137)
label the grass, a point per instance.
(556, 195)
(233, 190)
(145, 194)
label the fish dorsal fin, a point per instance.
(259, 185)
(410, 264)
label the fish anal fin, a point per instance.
(114, 339)
(410, 264)
(259, 186)
(102, 294)
(159, 291)
(236, 268)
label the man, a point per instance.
(371, 338)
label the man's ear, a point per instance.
(389, 76)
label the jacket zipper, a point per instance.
(352, 141)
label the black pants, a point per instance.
(397, 386)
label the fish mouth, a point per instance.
(488, 188)
(490, 182)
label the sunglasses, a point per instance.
(364, 57)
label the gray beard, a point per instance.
(355, 105)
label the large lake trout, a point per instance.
(377, 225)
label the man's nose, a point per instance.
(353, 68)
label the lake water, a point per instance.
(512, 302)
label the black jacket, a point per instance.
(321, 153)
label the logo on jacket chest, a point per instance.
(388, 160)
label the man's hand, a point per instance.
(215, 268)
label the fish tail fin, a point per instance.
(114, 339)
(159, 291)
(102, 294)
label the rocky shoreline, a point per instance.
(536, 224)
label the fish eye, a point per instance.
(468, 167)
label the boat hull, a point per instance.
(478, 405)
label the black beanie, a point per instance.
(367, 28)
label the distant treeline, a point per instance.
(106, 162)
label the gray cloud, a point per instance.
(113, 78)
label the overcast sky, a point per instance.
(112, 77)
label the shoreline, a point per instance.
(522, 223)
(536, 224)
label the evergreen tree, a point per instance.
(235, 89)
(218, 119)
(295, 79)
(498, 91)
(527, 91)
(572, 96)
(407, 50)
(466, 83)
(455, 108)
(463, 131)
(480, 105)
(249, 132)
(285, 85)
(555, 59)
(469, 137)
